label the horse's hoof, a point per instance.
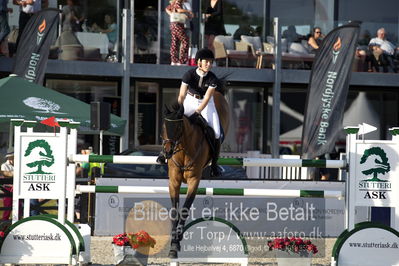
(215, 171)
(173, 254)
(175, 246)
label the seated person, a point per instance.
(291, 35)
(244, 29)
(110, 29)
(363, 43)
(362, 50)
(315, 40)
(382, 52)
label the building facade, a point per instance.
(141, 80)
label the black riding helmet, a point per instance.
(204, 53)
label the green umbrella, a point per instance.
(25, 100)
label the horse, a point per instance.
(188, 153)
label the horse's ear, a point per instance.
(167, 110)
(181, 110)
(175, 106)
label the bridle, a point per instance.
(178, 132)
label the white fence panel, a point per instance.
(260, 172)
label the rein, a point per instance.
(188, 167)
(177, 149)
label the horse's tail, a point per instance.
(222, 108)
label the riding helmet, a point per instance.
(204, 53)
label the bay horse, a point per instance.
(188, 153)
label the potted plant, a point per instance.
(293, 251)
(132, 248)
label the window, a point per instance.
(373, 16)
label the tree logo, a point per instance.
(42, 154)
(381, 166)
(45, 106)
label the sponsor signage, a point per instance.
(376, 174)
(42, 166)
(212, 238)
(328, 89)
(367, 244)
(38, 35)
(40, 239)
(254, 216)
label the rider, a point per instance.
(196, 95)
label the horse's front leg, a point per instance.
(192, 186)
(174, 192)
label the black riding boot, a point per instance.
(215, 171)
(161, 158)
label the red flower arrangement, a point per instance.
(293, 244)
(121, 240)
(141, 239)
(136, 240)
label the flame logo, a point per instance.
(337, 45)
(42, 26)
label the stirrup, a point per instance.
(161, 159)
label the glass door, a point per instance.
(146, 24)
(146, 129)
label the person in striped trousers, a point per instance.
(179, 43)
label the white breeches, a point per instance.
(209, 113)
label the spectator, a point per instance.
(291, 35)
(329, 174)
(27, 9)
(82, 171)
(8, 171)
(324, 174)
(315, 40)
(364, 40)
(383, 52)
(110, 29)
(244, 29)
(214, 23)
(72, 17)
(362, 50)
(4, 27)
(179, 43)
(145, 30)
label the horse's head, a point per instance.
(172, 129)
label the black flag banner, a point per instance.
(34, 45)
(328, 90)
